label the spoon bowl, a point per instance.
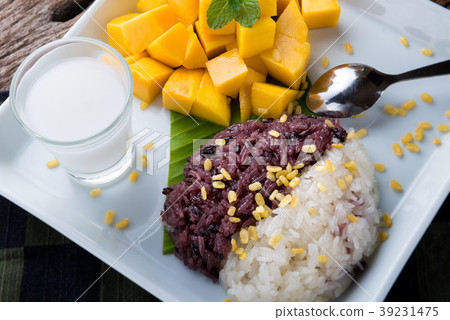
(350, 89)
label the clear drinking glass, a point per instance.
(74, 95)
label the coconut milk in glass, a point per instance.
(74, 95)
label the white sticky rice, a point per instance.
(274, 273)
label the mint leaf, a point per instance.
(235, 4)
(248, 13)
(219, 14)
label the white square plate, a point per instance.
(66, 206)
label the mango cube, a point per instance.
(245, 93)
(147, 5)
(256, 64)
(231, 45)
(255, 40)
(115, 34)
(282, 4)
(202, 9)
(288, 61)
(267, 8)
(185, 10)
(290, 23)
(170, 48)
(321, 13)
(135, 57)
(210, 104)
(195, 55)
(227, 72)
(213, 44)
(271, 101)
(149, 76)
(132, 33)
(180, 91)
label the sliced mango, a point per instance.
(245, 93)
(282, 4)
(256, 64)
(163, 18)
(231, 45)
(203, 7)
(267, 8)
(213, 44)
(227, 72)
(115, 34)
(290, 23)
(321, 13)
(288, 60)
(257, 39)
(180, 91)
(210, 104)
(195, 55)
(170, 48)
(132, 33)
(147, 5)
(185, 10)
(271, 101)
(149, 77)
(135, 57)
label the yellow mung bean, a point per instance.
(406, 138)
(52, 164)
(133, 176)
(412, 147)
(204, 194)
(109, 217)
(123, 224)
(243, 235)
(352, 218)
(275, 239)
(95, 193)
(396, 185)
(231, 211)
(397, 149)
(149, 146)
(259, 199)
(443, 127)
(426, 97)
(207, 165)
(225, 174)
(387, 220)
(348, 47)
(218, 185)
(408, 105)
(426, 52)
(424, 125)
(390, 109)
(325, 62)
(322, 259)
(253, 233)
(383, 236)
(234, 219)
(309, 148)
(418, 134)
(404, 41)
(321, 187)
(255, 186)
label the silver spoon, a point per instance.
(350, 89)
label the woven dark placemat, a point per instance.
(39, 264)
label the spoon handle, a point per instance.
(437, 69)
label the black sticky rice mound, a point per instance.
(201, 229)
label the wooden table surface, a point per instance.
(26, 25)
